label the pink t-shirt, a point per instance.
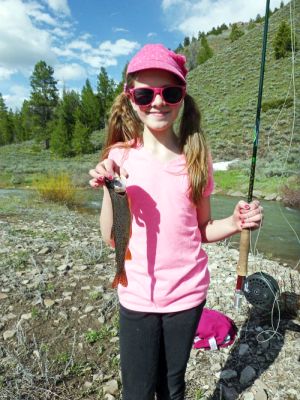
(168, 270)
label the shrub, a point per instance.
(291, 195)
(268, 105)
(57, 188)
(282, 41)
(236, 32)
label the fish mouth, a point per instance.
(119, 184)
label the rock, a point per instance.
(89, 309)
(236, 194)
(243, 349)
(9, 334)
(228, 393)
(111, 387)
(87, 385)
(44, 251)
(258, 194)
(109, 397)
(3, 296)
(9, 317)
(48, 303)
(82, 268)
(26, 316)
(271, 197)
(64, 267)
(67, 294)
(249, 396)
(228, 374)
(260, 394)
(85, 288)
(98, 377)
(247, 375)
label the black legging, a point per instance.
(155, 349)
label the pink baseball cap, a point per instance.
(156, 56)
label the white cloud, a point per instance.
(59, 6)
(34, 30)
(81, 45)
(170, 3)
(151, 34)
(121, 47)
(61, 33)
(105, 55)
(120, 30)
(5, 73)
(21, 42)
(192, 16)
(16, 96)
(36, 11)
(65, 72)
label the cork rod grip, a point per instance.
(242, 266)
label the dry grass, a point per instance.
(57, 188)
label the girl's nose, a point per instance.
(158, 100)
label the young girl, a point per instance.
(169, 183)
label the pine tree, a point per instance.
(27, 120)
(89, 108)
(18, 127)
(235, 33)
(106, 94)
(200, 34)
(186, 41)
(64, 124)
(43, 99)
(120, 86)
(205, 52)
(179, 49)
(81, 143)
(282, 41)
(192, 57)
(6, 124)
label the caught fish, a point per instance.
(121, 227)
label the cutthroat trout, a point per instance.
(121, 227)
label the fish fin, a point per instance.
(120, 278)
(128, 255)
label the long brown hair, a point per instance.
(125, 130)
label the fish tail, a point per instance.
(120, 278)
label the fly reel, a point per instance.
(261, 290)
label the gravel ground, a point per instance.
(59, 328)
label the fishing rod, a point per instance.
(259, 288)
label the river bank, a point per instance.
(58, 318)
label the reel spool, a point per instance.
(261, 289)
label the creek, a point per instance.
(275, 240)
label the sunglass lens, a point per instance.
(143, 96)
(173, 95)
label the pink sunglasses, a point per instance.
(144, 96)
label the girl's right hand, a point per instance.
(105, 169)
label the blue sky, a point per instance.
(78, 37)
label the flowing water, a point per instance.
(276, 239)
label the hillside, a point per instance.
(226, 88)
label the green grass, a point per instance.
(229, 180)
(32, 167)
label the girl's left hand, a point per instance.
(248, 215)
